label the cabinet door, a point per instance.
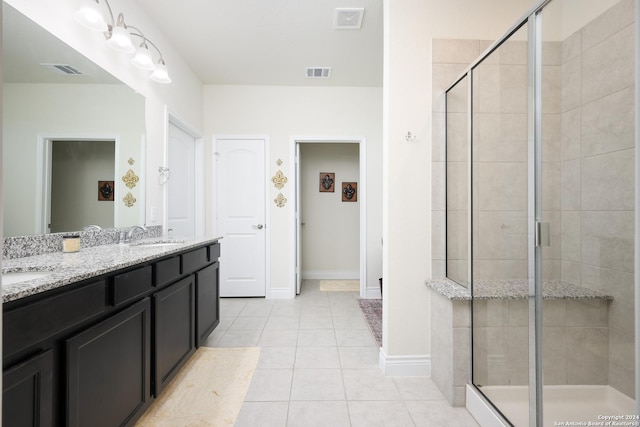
(207, 302)
(109, 370)
(174, 314)
(26, 392)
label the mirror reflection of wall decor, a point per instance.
(327, 182)
(280, 200)
(349, 191)
(105, 191)
(130, 179)
(279, 180)
(129, 200)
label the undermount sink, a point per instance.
(158, 244)
(22, 276)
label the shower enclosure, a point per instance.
(540, 208)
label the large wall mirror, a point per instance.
(73, 137)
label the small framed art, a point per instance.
(327, 182)
(349, 191)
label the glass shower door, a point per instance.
(500, 233)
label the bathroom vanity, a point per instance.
(96, 338)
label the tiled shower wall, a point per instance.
(588, 144)
(597, 173)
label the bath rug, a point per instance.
(340, 285)
(208, 391)
(372, 310)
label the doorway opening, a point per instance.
(329, 223)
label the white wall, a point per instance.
(66, 111)
(284, 112)
(331, 230)
(183, 97)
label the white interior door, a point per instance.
(241, 216)
(298, 223)
(182, 183)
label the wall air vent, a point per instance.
(64, 69)
(348, 18)
(318, 72)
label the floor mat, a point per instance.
(372, 309)
(209, 391)
(340, 285)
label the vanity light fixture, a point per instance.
(119, 37)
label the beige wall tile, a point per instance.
(554, 313)
(607, 181)
(513, 88)
(492, 313)
(438, 190)
(457, 144)
(457, 196)
(499, 269)
(486, 88)
(551, 93)
(551, 137)
(571, 46)
(570, 129)
(608, 66)
(571, 234)
(455, 51)
(458, 97)
(571, 83)
(571, 183)
(620, 285)
(500, 137)
(438, 268)
(502, 186)
(437, 242)
(514, 52)
(551, 53)
(591, 313)
(443, 76)
(590, 364)
(554, 355)
(607, 24)
(571, 272)
(607, 240)
(438, 135)
(551, 190)
(461, 354)
(622, 362)
(608, 123)
(518, 313)
(461, 314)
(501, 235)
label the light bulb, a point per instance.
(90, 16)
(160, 73)
(143, 58)
(120, 40)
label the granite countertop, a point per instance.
(512, 289)
(67, 268)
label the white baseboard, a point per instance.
(331, 274)
(405, 366)
(372, 293)
(481, 410)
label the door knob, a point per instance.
(259, 226)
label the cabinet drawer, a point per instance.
(194, 260)
(214, 252)
(167, 271)
(37, 321)
(129, 285)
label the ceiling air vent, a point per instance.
(348, 18)
(318, 72)
(64, 69)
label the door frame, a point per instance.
(269, 294)
(295, 141)
(43, 174)
(199, 175)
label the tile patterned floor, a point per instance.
(319, 367)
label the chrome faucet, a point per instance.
(92, 227)
(129, 237)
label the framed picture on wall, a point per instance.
(349, 191)
(327, 182)
(105, 191)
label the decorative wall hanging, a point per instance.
(279, 180)
(130, 179)
(279, 162)
(129, 200)
(349, 191)
(105, 191)
(280, 200)
(327, 182)
(131, 161)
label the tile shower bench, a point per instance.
(97, 338)
(501, 310)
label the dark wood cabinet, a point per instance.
(27, 393)
(99, 351)
(207, 302)
(109, 369)
(174, 315)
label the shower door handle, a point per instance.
(543, 234)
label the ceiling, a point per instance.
(270, 42)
